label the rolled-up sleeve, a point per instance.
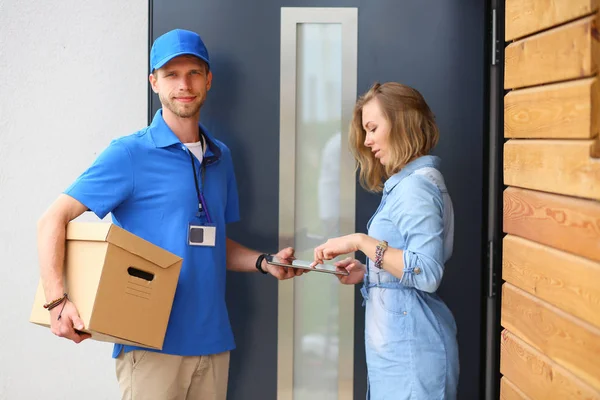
(417, 211)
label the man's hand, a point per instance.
(69, 322)
(355, 268)
(52, 229)
(285, 255)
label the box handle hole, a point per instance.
(138, 273)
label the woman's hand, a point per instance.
(355, 268)
(337, 246)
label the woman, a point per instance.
(410, 333)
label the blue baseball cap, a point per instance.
(177, 43)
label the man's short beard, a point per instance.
(182, 112)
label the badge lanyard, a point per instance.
(202, 209)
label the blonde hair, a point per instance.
(413, 132)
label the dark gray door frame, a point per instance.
(495, 187)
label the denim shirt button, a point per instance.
(405, 313)
(417, 271)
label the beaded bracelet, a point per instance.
(379, 250)
(54, 303)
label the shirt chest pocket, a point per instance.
(215, 192)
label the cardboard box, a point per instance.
(122, 285)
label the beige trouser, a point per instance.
(147, 375)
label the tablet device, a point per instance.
(327, 268)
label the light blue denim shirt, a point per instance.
(410, 334)
(416, 215)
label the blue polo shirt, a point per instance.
(146, 181)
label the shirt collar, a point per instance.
(163, 136)
(423, 161)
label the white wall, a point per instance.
(72, 77)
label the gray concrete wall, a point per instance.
(73, 76)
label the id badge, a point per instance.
(202, 234)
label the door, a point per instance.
(436, 47)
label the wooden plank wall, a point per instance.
(550, 346)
